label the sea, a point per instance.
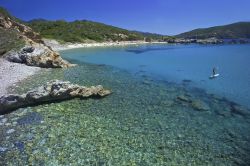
(164, 109)
(192, 64)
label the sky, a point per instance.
(167, 17)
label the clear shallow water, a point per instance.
(144, 122)
(175, 63)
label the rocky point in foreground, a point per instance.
(35, 52)
(52, 91)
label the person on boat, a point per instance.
(214, 71)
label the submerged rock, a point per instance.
(237, 109)
(52, 91)
(30, 118)
(10, 131)
(184, 98)
(20, 146)
(3, 149)
(200, 105)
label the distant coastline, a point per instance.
(55, 45)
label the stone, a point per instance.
(52, 91)
(168, 103)
(20, 146)
(28, 49)
(10, 131)
(37, 55)
(240, 110)
(183, 98)
(4, 120)
(14, 123)
(13, 56)
(200, 105)
(30, 118)
(3, 149)
(146, 82)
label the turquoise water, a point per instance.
(147, 120)
(175, 63)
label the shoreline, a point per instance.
(56, 46)
(12, 73)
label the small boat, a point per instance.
(214, 76)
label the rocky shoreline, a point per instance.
(34, 52)
(18, 64)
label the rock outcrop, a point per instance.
(35, 52)
(37, 55)
(198, 41)
(52, 91)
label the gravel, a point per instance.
(11, 73)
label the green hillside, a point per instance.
(231, 31)
(85, 31)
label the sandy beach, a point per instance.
(11, 73)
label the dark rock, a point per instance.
(184, 98)
(2, 51)
(237, 109)
(14, 57)
(20, 146)
(30, 118)
(28, 49)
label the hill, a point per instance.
(231, 31)
(86, 31)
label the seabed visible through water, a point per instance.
(144, 122)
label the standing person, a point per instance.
(214, 71)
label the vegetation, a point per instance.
(85, 31)
(81, 31)
(231, 31)
(9, 39)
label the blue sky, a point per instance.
(159, 16)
